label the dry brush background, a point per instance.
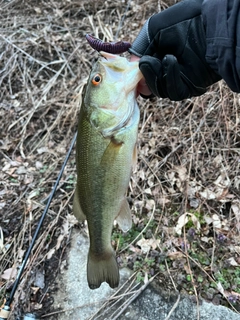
(184, 192)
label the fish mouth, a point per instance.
(132, 67)
(107, 55)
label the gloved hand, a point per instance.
(171, 46)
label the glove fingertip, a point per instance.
(176, 89)
(151, 69)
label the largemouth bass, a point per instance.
(106, 152)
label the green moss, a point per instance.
(140, 277)
(71, 182)
(229, 278)
(43, 169)
(189, 278)
(200, 278)
(162, 268)
(200, 256)
(123, 239)
(176, 214)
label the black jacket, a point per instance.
(222, 21)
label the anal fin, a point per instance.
(124, 218)
(77, 210)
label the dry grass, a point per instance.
(189, 155)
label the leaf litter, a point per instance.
(184, 192)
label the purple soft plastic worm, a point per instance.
(110, 47)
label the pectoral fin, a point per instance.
(77, 210)
(111, 152)
(124, 218)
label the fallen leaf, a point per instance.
(216, 221)
(37, 306)
(218, 160)
(220, 288)
(235, 207)
(33, 193)
(59, 241)
(208, 194)
(236, 182)
(208, 219)
(223, 195)
(35, 289)
(50, 253)
(38, 10)
(145, 278)
(39, 279)
(206, 239)
(9, 274)
(147, 244)
(175, 255)
(148, 191)
(232, 262)
(21, 170)
(150, 204)
(42, 150)
(194, 203)
(222, 181)
(38, 165)
(72, 220)
(182, 173)
(234, 249)
(163, 201)
(2, 204)
(20, 255)
(187, 269)
(183, 220)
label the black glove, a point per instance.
(172, 46)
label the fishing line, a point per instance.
(122, 19)
(16, 283)
(5, 311)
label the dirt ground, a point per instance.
(184, 193)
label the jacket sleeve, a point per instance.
(222, 22)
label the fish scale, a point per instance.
(106, 149)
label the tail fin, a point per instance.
(102, 268)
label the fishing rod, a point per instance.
(4, 313)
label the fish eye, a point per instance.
(97, 78)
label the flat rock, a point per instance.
(76, 301)
(152, 306)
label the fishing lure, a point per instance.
(110, 47)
